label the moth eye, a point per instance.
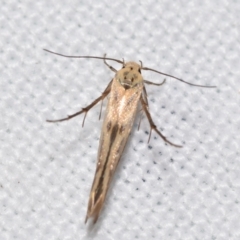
(132, 79)
(139, 70)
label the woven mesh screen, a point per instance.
(158, 191)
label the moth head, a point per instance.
(130, 75)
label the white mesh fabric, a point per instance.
(159, 192)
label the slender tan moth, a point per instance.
(126, 90)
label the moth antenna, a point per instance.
(181, 80)
(103, 58)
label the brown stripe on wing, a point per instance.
(104, 173)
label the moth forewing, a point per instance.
(122, 105)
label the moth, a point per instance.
(126, 90)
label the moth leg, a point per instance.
(156, 84)
(145, 96)
(146, 101)
(112, 68)
(152, 125)
(140, 120)
(87, 108)
(100, 114)
(145, 93)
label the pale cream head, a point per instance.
(130, 75)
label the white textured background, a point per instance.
(159, 192)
